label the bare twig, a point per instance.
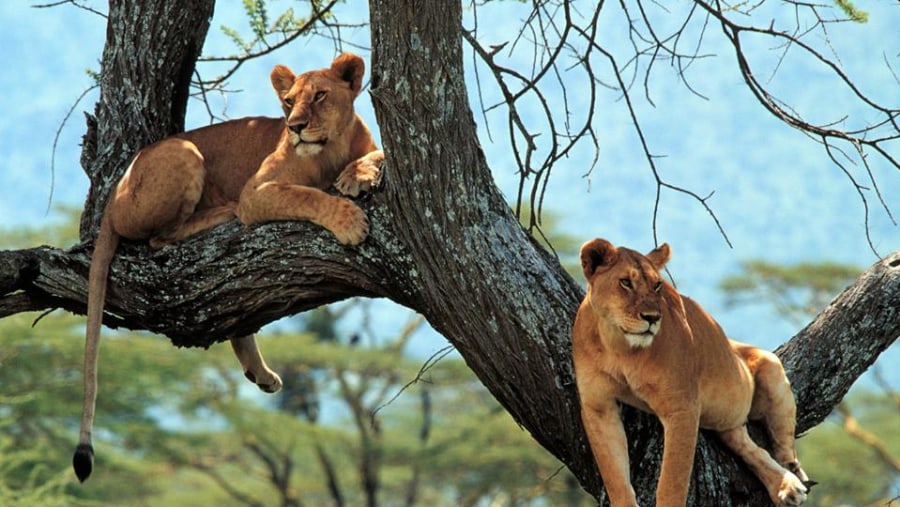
(74, 3)
(56, 137)
(551, 40)
(557, 31)
(864, 140)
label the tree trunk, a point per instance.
(443, 243)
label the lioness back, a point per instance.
(723, 373)
(232, 152)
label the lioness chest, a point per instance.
(639, 381)
(603, 374)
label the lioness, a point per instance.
(636, 340)
(258, 169)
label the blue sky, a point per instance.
(777, 195)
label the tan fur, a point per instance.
(636, 340)
(258, 169)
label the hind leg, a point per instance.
(159, 191)
(785, 489)
(255, 368)
(197, 222)
(773, 404)
(157, 197)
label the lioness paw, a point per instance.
(267, 382)
(792, 491)
(361, 175)
(348, 223)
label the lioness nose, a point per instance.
(650, 317)
(297, 127)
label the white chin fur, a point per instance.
(303, 148)
(306, 149)
(639, 340)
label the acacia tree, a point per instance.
(443, 243)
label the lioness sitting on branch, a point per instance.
(636, 340)
(258, 169)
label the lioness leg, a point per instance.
(158, 195)
(605, 432)
(255, 368)
(199, 221)
(680, 430)
(274, 200)
(785, 488)
(773, 403)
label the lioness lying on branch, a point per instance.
(258, 169)
(636, 340)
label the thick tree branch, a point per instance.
(829, 354)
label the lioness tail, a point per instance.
(104, 250)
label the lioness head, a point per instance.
(318, 105)
(625, 288)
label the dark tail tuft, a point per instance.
(83, 461)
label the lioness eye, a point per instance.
(657, 287)
(319, 96)
(289, 102)
(625, 282)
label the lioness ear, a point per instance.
(350, 68)
(597, 253)
(660, 256)
(282, 79)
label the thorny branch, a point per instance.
(558, 32)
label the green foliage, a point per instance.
(40, 385)
(182, 427)
(265, 34)
(256, 14)
(61, 232)
(796, 291)
(852, 12)
(849, 472)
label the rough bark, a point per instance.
(443, 243)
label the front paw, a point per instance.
(361, 175)
(348, 223)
